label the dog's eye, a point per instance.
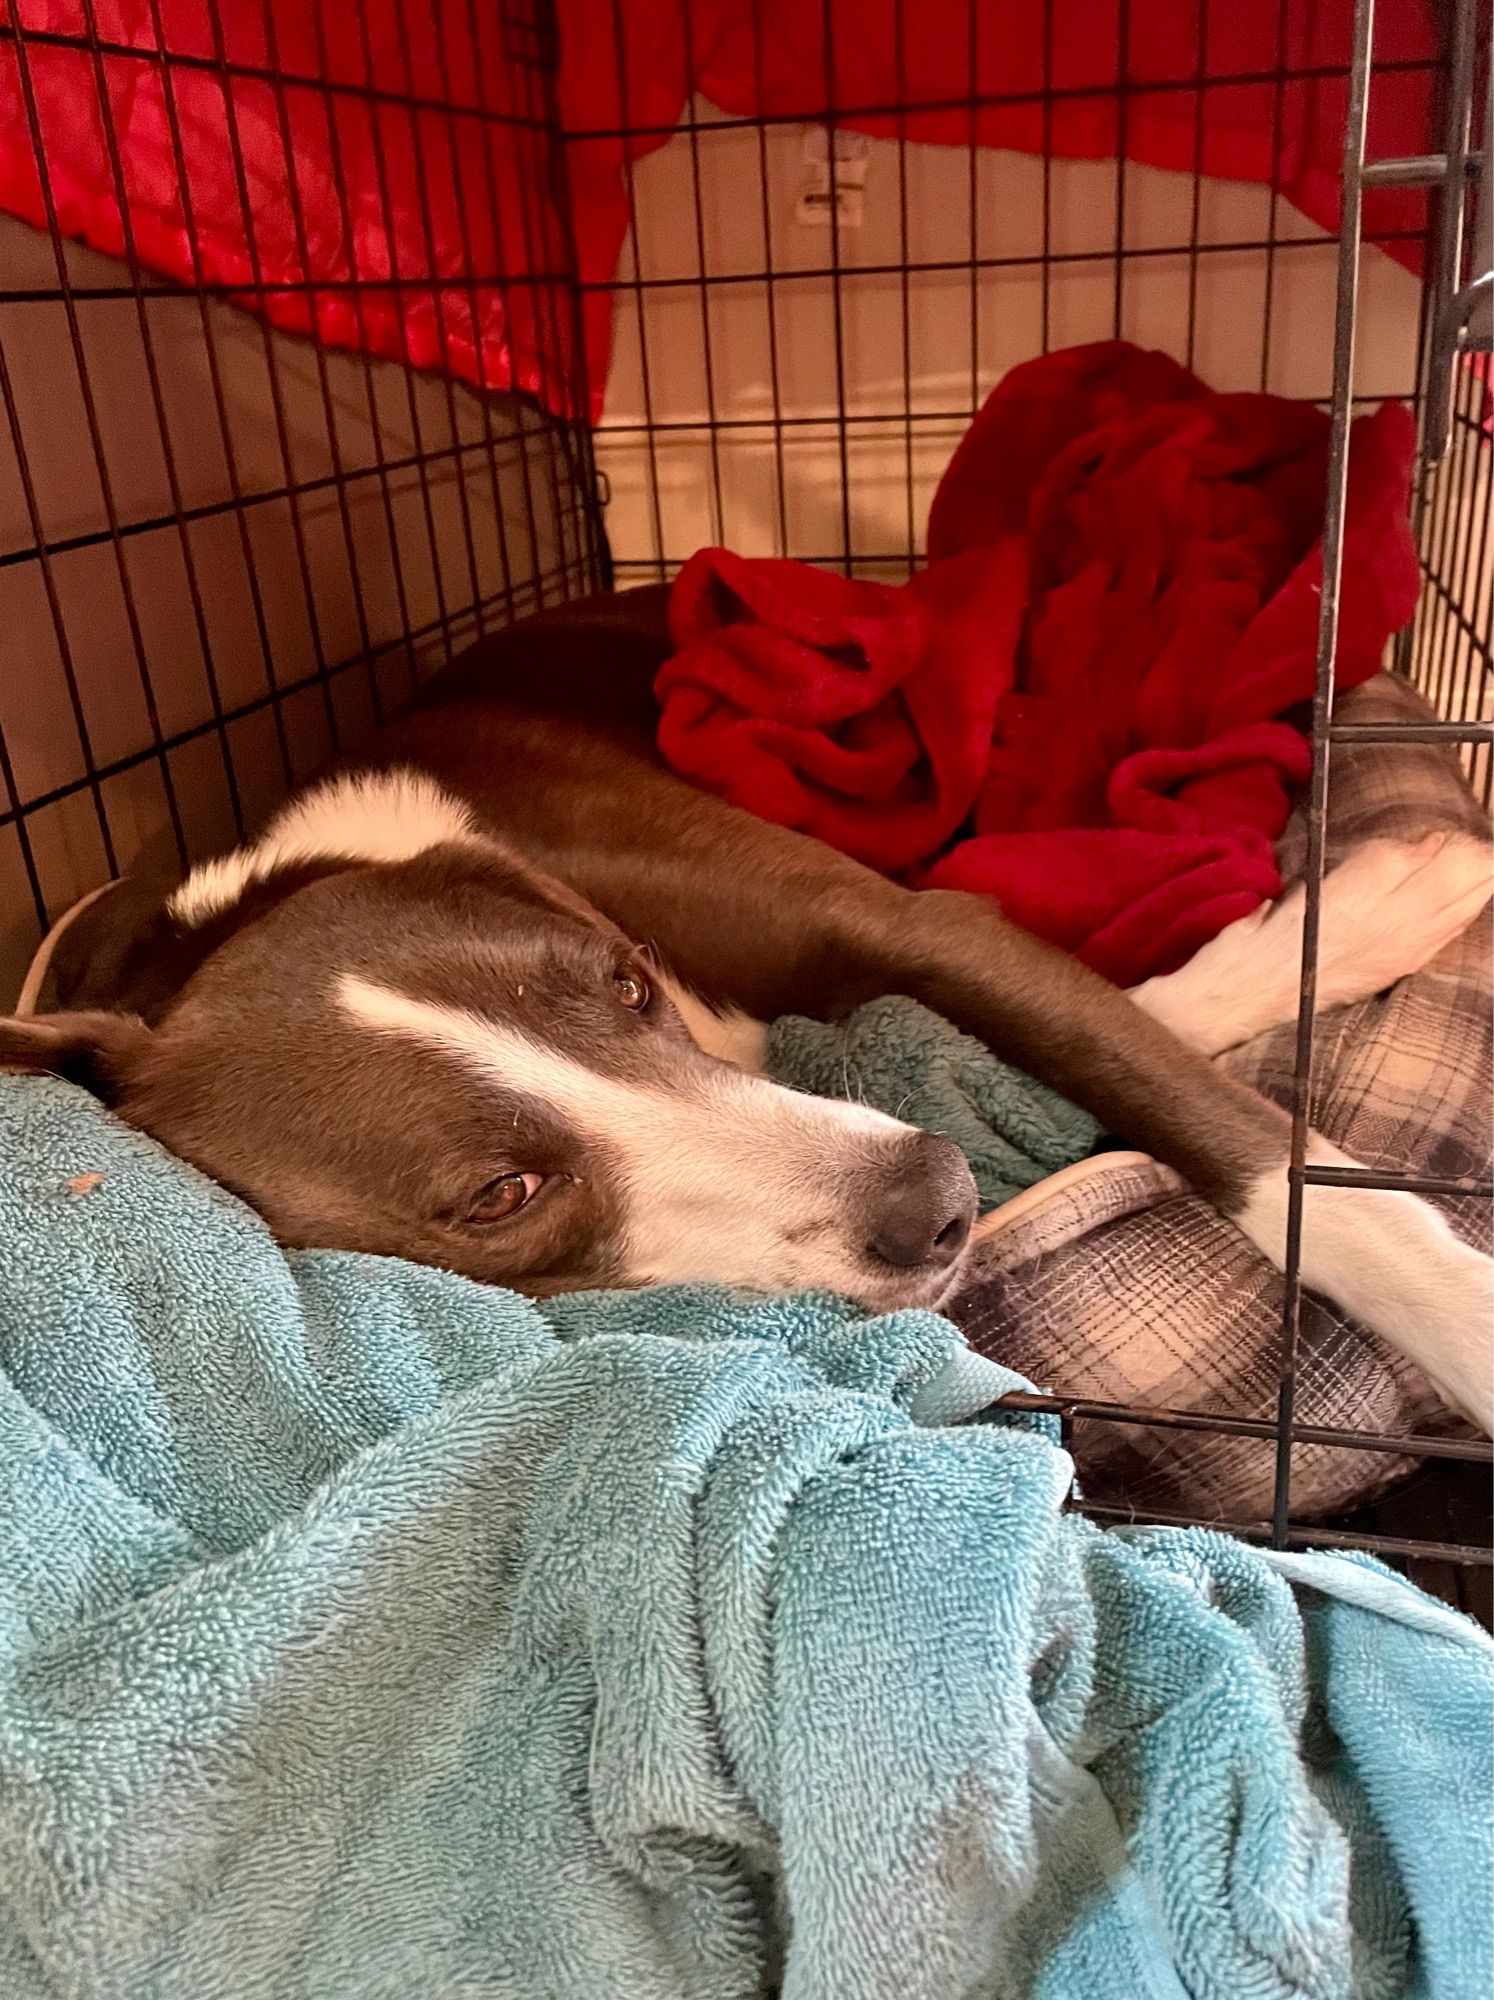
(504, 1197)
(631, 988)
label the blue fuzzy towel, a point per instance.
(903, 1059)
(367, 1633)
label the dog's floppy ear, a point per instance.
(98, 1051)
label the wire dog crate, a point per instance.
(226, 551)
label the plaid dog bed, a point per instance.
(1112, 1284)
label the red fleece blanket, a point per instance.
(855, 711)
(402, 181)
(1120, 607)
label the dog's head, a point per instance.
(434, 1052)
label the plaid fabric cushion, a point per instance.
(1112, 1283)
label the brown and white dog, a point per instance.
(489, 1001)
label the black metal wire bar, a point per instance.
(23, 836)
(1432, 501)
(240, 171)
(157, 51)
(548, 334)
(1047, 113)
(92, 771)
(370, 387)
(579, 401)
(438, 299)
(95, 435)
(827, 421)
(1195, 208)
(1472, 566)
(208, 510)
(1455, 615)
(1407, 639)
(287, 691)
(1298, 1534)
(770, 288)
(1078, 93)
(1457, 474)
(235, 504)
(1448, 269)
(1220, 1423)
(636, 286)
(495, 210)
(1411, 732)
(1424, 170)
(1278, 120)
(329, 414)
(1345, 308)
(421, 453)
(972, 198)
(837, 304)
(1122, 134)
(940, 266)
(163, 426)
(1448, 623)
(905, 282)
(273, 367)
(702, 268)
(1372, 1177)
(244, 294)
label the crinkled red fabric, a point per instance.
(1120, 610)
(377, 218)
(401, 181)
(858, 712)
(1042, 76)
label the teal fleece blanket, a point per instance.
(364, 1632)
(900, 1058)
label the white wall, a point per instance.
(956, 348)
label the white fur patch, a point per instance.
(730, 1037)
(727, 1177)
(1395, 1265)
(364, 816)
(1387, 910)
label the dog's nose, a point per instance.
(925, 1207)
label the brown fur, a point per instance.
(772, 922)
(545, 730)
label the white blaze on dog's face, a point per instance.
(446, 1058)
(715, 1174)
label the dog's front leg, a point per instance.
(1387, 1258)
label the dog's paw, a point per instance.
(1457, 1342)
(1391, 906)
(1387, 910)
(1396, 1265)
